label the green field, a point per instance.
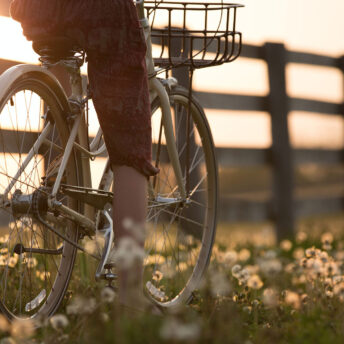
(255, 292)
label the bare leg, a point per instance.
(129, 202)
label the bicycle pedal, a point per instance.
(108, 276)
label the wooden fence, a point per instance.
(283, 207)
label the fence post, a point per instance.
(282, 162)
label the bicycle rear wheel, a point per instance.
(35, 264)
(180, 233)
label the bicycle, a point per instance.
(46, 195)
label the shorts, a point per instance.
(110, 33)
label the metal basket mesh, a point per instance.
(194, 34)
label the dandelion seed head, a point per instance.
(270, 266)
(22, 329)
(254, 282)
(270, 254)
(7, 340)
(219, 284)
(81, 305)
(247, 309)
(339, 255)
(244, 255)
(270, 297)
(157, 276)
(327, 238)
(107, 295)
(173, 329)
(58, 322)
(230, 257)
(293, 299)
(286, 245)
(127, 253)
(298, 253)
(4, 324)
(134, 228)
(300, 237)
(31, 262)
(236, 269)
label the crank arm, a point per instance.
(19, 249)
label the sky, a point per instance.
(302, 25)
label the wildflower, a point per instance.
(167, 270)
(4, 324)
(326, 247)
(339, 255)
(338, 290)
(327, 238)
(157, 276)
(104, 317)
(243, 276)
(254, 282)
(244, 255)
(337, 279)
(154, 259)
(331, 269)
(81, 305)
(292, 299)
(286, 245)
(136, 229)
(289, 268)
(236, 269)
(270, 266)
(172, 329)
(22, 329)
(311, 252)
(219, 284)
(230, 257)
(270, 297)
(7, 340)
(31, 262)
(301, 237)
(108, 295)
(252, 269)
(247, 309)
(127, 253)
(298, 253)
(304, 298)
(323, 256)
(270, 254)
(59, 322)
(329, 293)
(255, 303)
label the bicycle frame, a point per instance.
(78, 138)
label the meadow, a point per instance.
(255, 291)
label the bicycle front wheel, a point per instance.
(35, 263)
(180, 232)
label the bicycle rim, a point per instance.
(180, 234)
(35, 264)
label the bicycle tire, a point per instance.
(31, 283)
(187, 228)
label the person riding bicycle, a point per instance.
(110, 33)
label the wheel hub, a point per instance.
(29, 204)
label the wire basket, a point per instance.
(194, 34)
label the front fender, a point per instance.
(26, 71)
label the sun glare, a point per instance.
(13, 44)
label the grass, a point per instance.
(255, 291)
